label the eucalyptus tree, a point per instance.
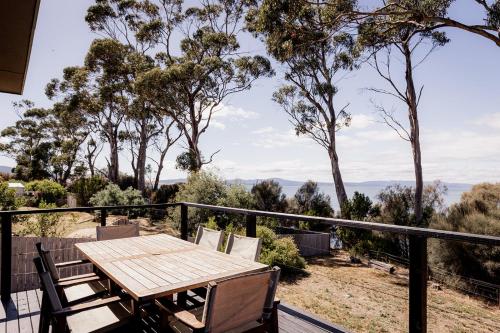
(45, 143)
(423, 15)
(384, 35)
(101, 90)
(315, 53)
(194, 76)
(27, 142)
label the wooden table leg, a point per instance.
(136, 312)
(182, 299)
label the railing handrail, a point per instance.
(402, 230)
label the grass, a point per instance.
(363, 299)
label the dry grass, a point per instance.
(363, 299)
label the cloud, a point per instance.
(234, 113)
(491, 120)
(269, 138)
(217, 124)
(361, 121)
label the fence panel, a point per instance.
(24, 275)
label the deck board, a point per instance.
(22, 314)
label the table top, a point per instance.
(149, 267)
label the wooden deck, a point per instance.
(22, 315)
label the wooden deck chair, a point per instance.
(209, 238)
(100, 315)
(117, 231)
(244, 247)
(239, 304)
(74, 289)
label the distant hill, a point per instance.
(5, 169)
(288, 182)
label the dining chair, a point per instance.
(244, 247)
(74, 289)
(240, 303)
(117, 231)
(101, 315)
(209, 238)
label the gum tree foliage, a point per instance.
(134, 24)
(382, 36)
(422, 14)
(315, 54)
(45, 142)
(194, 76)
(103, 89)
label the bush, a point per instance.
(477, 212)
(125, 181)
(43, 225)
(208, 188)
(47, 191)
(112, 195)
(269, 197)
(8, 198)
(85, 188)
(283, 253)
(165, 193)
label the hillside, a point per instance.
(363, 299)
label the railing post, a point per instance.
(184, 222)
(251, 226)
(418, 284)
(5, 288)
(103, 217)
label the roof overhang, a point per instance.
(17, 28)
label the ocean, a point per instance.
(371, 190)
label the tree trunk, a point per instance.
(415, 134)
(337, 178)
(160, 168)
(113, 167)
(141, 162)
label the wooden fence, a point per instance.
(309, 243)
(24, 276)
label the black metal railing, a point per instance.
(418, 264)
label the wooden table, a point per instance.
(149, 267)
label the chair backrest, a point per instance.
(117, 231)
(244, 247)
(209, 238)
(48, 285)
(48, 261)
(238, 301)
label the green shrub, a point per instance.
(208, 188)
(85, 188)
(477, 212)
(8, 198)
(269, 197)
(112, 195)
(42, 225)
(165, 193)
(283, 253)
(47, 190)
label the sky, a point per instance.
(459, 112)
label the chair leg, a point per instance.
(274, 325)
(43, 326)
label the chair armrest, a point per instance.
(72, 263)
(89, 305)
(67, 283)
(179, 313)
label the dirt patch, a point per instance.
(363, 299)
